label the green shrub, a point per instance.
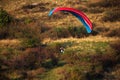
(27, 20)
(50, 63)
(5, 18)
(61, 32)
(77, 31)
(33, 42)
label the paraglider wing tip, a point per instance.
(89, 30)
(51, 12)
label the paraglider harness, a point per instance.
(62, 49)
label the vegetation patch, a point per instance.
(106, 3)
(5, 18)
(113, 32)
(112, 15)
(96, 10)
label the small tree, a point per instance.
(5, 18)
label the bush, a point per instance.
(111, 7)
(27, 20)
(94, 76)
(5, 18)
(106, 3)
(116, 46)
(29, 43)
(24, 31)
(65, 32)
(99, 30)
(4, 32)
(82, 9)
(41, 7)
(33, 58)
(44, 28)
(62, 32)
(77, 31)
(50, 63)
(87, 70)
(112, 15)
(18, 32)
(28, 60)
(95, 10)
(114, 32)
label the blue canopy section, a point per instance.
(83, 21)
(51, 12)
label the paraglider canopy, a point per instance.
(77, 13)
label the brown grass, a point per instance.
(90, 38)
(112, 15)
(106, 3)
(115, 32)
(9, 43)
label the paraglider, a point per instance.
(77, 13)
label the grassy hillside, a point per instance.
(31, 41)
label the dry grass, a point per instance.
(9, 43)
(91, 39)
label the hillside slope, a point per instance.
(34, 46)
